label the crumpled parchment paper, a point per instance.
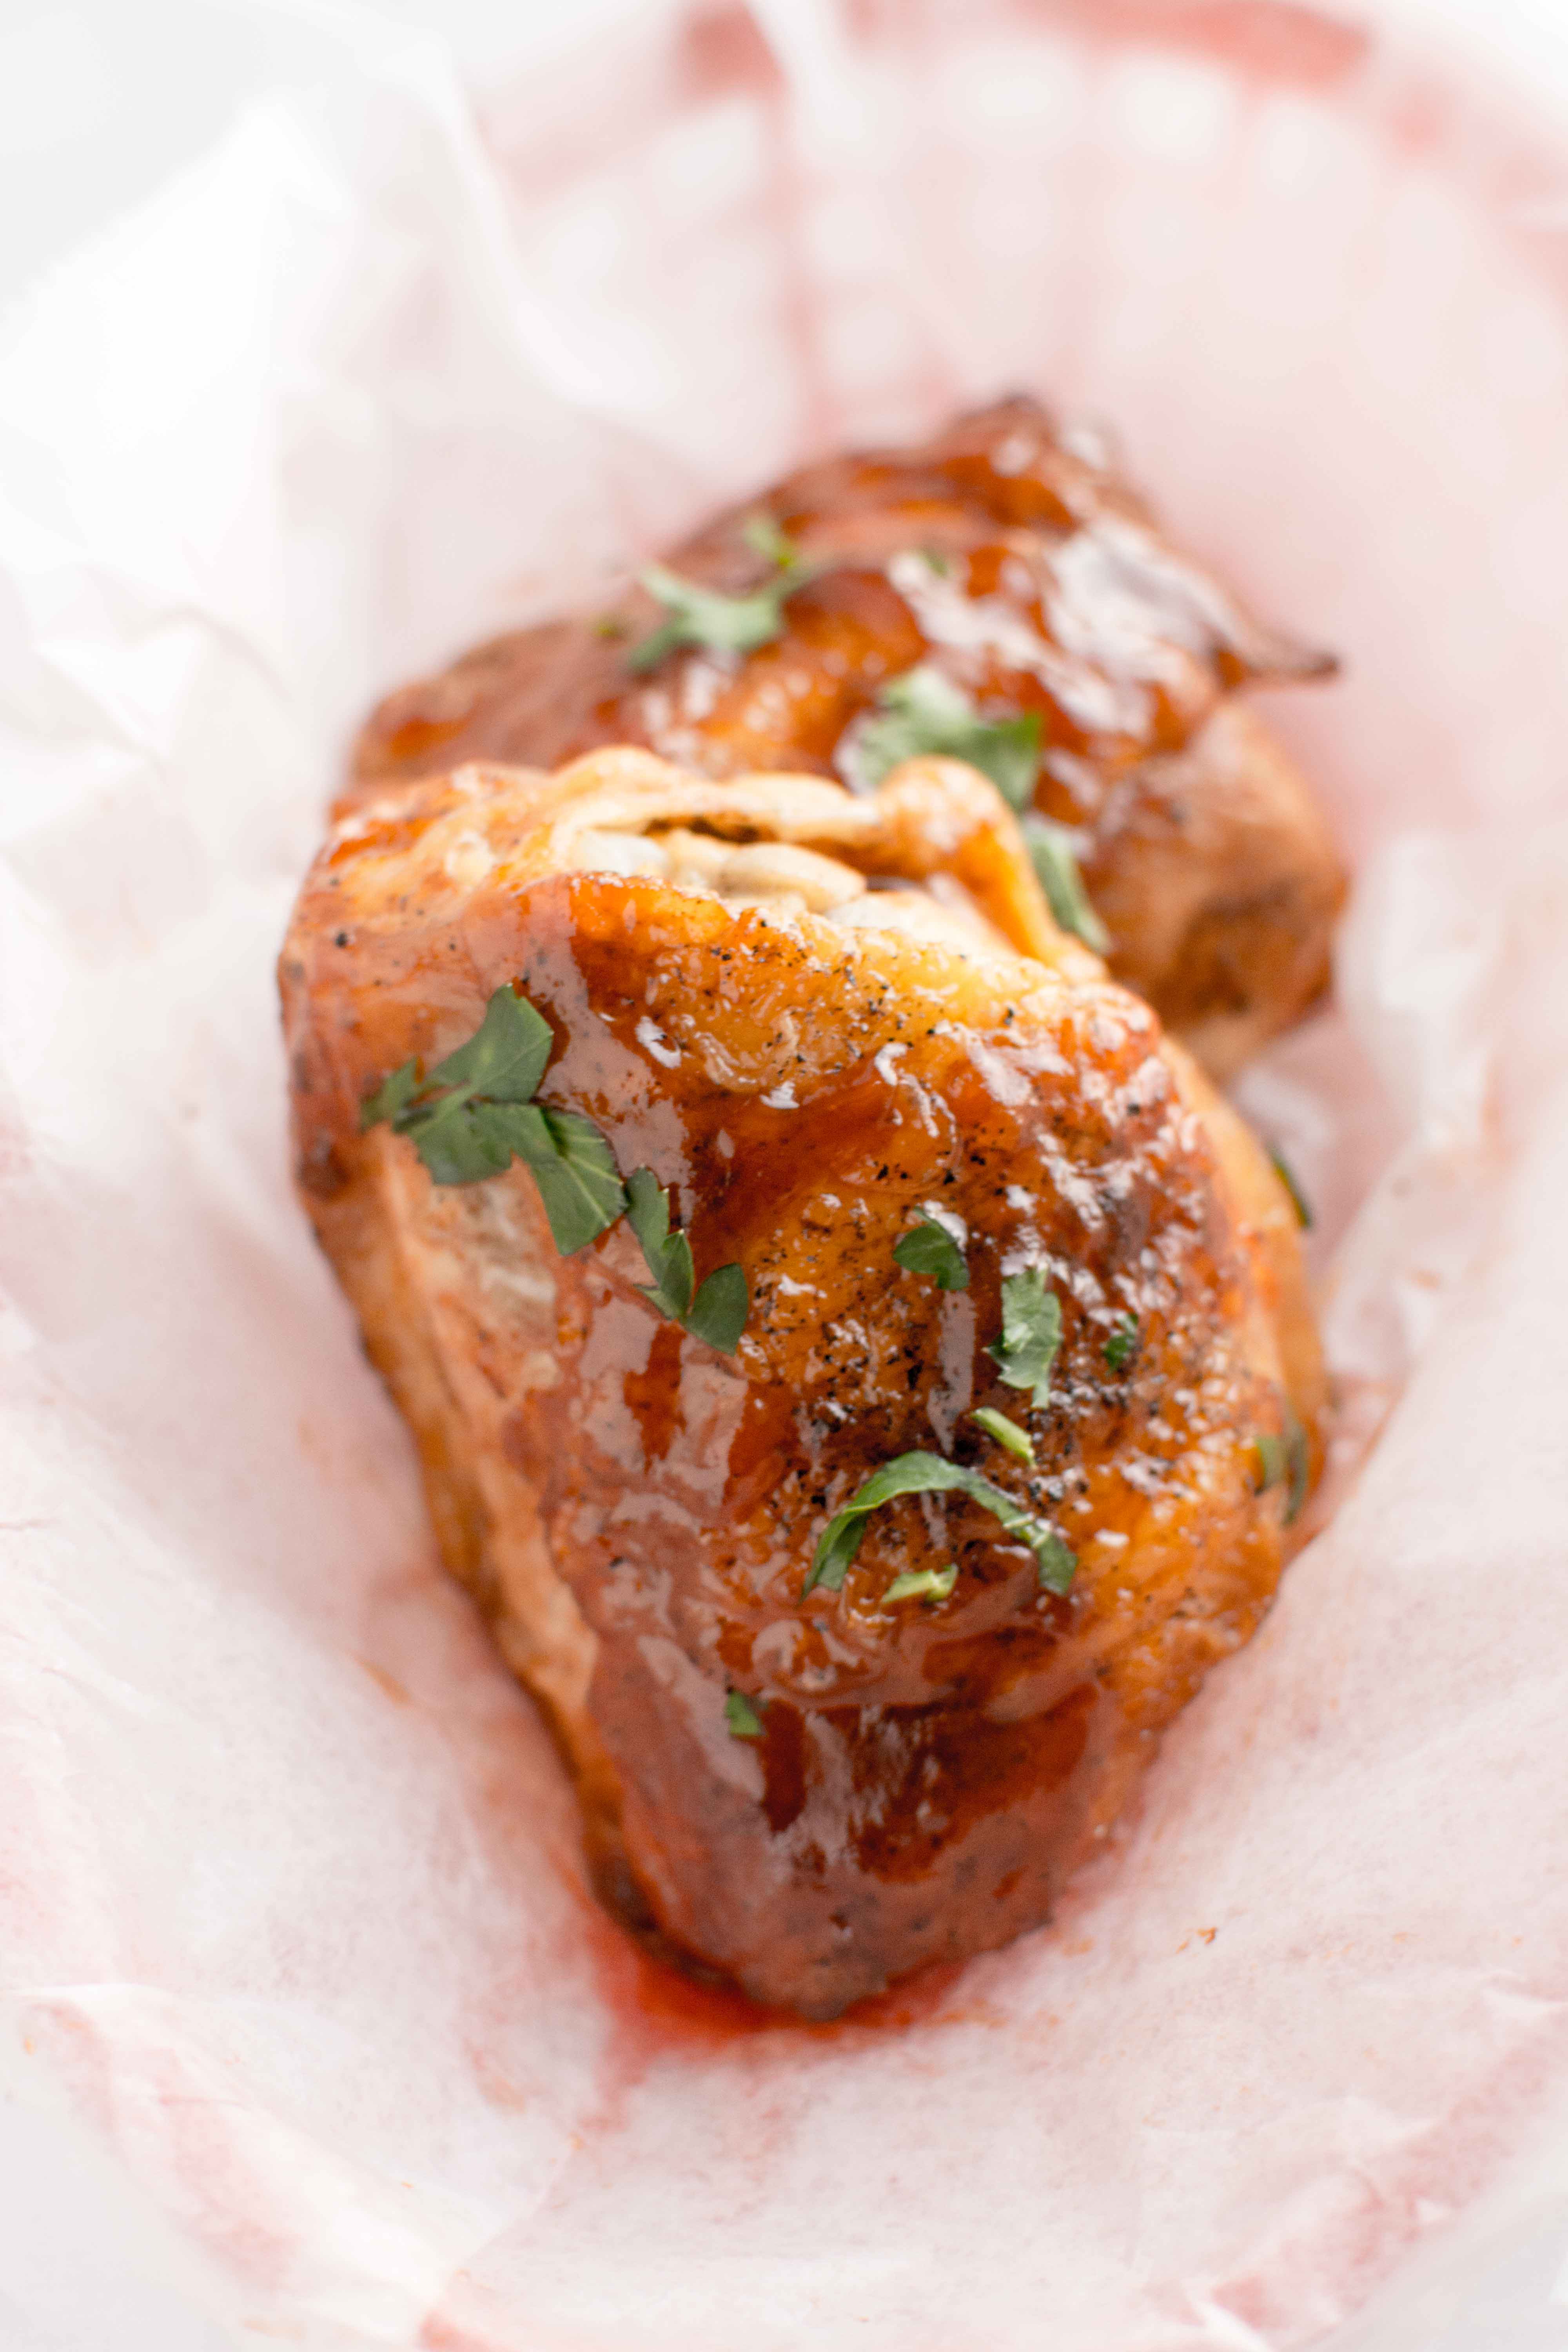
(290, 1903)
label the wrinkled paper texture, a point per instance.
(291, 1908)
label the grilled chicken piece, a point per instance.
(811, 1015)
(1032, 577)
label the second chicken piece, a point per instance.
(998, 593)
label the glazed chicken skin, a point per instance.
(1025, 572)
(822, 1022)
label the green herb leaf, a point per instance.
(1268, 1462)
(923, 1584)
(1055, 861)
(720, 1309)
(391, 1099)
(668, 1254)
(718, 1312)
(1118, 1350)
(741, 1716)
(931, 1247)
(505, 1057)
(835, 1550)
(1299, 1199)
(907, 1474)
(703, 616)
(1057, 1563)
(576, 1172)
(764, 535)
(1287, 1459)
(474, 1114)
(462, 1142)
(927, 1473)
(1298, 1463)
(923, 711)
(1007, 1433)
(1031, 1333)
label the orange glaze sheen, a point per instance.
(638, 1513)
(1032, 574)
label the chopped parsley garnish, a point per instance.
(1118, 1350)
(764, 535)
(923, 711)
(502, 1062)
(576, 1172)
(1007, 1433)
(741, 1716)
(1055, 861)
(474, 1114)
(923, 1584)
(1299, 1465)
(1031, 1333)
(928, 1474)
(932, 1247)
(1286, 1460)
(1268, 1462)
(717, 1313)
(711, 620)
(1299, 1199)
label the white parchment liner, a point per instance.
(290, 1906)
